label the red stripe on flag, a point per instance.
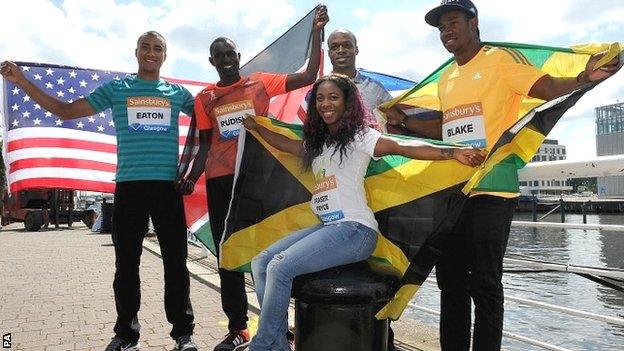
(62, 162)
(289, 107)
(195, 205)
(303, 114)
(182, 140)
(186, 82)
(184, 120)
(61, 143)
(62, 183)
(286, 107)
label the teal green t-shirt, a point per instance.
(145, 114)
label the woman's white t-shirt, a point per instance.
(339, 193)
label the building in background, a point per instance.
(610, 141)
(550, 150)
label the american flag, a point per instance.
(43, 151)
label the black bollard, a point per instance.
(584, 212)
(562, 208)
(335, 309)
(107, 217)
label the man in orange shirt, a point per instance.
(220, 109)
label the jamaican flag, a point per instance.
(415, 202)
(422, 102)
(272, 194)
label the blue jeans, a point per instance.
(305, 251)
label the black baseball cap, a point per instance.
(433, 17)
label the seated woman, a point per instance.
(337, 146)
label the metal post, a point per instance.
(562, 208)
(70, 214)
(56, 207)
(584, 212)
(534, 208)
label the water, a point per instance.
(565, 246)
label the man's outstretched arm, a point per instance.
(79, 108)
(299, 80)
(548, 87)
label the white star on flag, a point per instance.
(36, 121)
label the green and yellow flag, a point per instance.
(412, 200)
(416, 203)
(422, 102)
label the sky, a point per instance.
(392, 37)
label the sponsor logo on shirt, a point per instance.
(464, 124)
(325, 201)
(148, 114)
(230, 117)
(211, 95)
(324, 184)
(333, 216)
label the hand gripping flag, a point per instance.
(415, 202)
(289, 53)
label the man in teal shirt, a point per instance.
(145, 111)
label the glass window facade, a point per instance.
(610, 119)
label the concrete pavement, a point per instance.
(56, 294)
